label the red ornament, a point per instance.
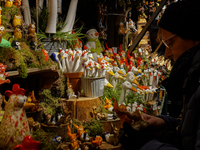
(15, 90)
(28, 144)
(45, 54)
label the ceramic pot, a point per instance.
(93, 87)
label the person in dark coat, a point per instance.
(180, 33)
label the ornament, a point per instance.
(18, 33)
(14, 125)
(17, 21)
(97, 142)
(28, 144)
(2, 32)
(121, 29)
(82, 134)
(31, 29)
(8, 3)
(93, 42)
(17, 3)
(15, 44)
(73, 138)
(108, 105)
(3, 74)
(45, 52)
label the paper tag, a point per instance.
(102, 85)
(155, 106)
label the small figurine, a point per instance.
(31, 29)
(17, 3)
(134, 119)
(108, 105)
(94, 111)
(97, 142)
(15, 44)
(115, 131)
(1, 112)
(8, 3)
(121, 29)
(33, 45)
(3, 74)
(2, 32)
(82, 134)
(14, 125)
(45, 52)
(28, 144)
(29, 104)
(57, 139)
(18, 33)
(17, 21)
(93, 43)
(33, 125)
(73, 139)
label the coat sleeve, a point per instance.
(171, 122)
(156, 145)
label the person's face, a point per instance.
(175, 45)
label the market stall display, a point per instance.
(80, 91)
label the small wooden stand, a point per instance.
(82, 107)
(107, 124)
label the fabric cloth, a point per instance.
(181, 18)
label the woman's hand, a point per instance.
(155, 123)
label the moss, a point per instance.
(45, 139)
(49, 103)
(7, 35)
(8, 14)
(109, 92)
(93, 127)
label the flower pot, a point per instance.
(75, 80)
(93, 87)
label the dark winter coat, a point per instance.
(183, 88)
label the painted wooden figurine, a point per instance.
(17, 21)
(2, 32)
(16, 45)
(93, 43)
(108, 105)
(3, 74)
(14, 125)
(73, 139)
(97, 142)
(17, 3)
(18, 33)
(82, 134)
(8, 3)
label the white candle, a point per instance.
(71, 15)
(26, 11)
(51, 26)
